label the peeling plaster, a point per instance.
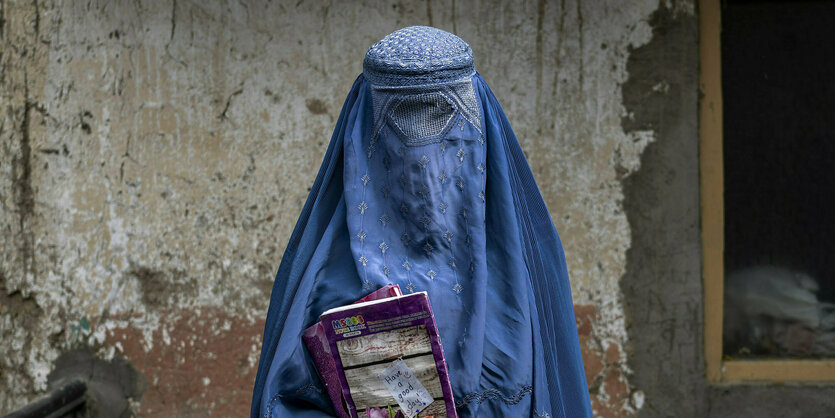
(156, 155)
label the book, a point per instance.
(320, 350)
(387, 352)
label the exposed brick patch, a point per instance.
(584, 315)
(592, 361)
(202, 363)
(602, 410)
(613, 354)
(615, 386)
(605, 370)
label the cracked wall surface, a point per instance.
(156, 155)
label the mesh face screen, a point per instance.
(423, 115)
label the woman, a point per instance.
(424, 185)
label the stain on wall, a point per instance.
(156, 154)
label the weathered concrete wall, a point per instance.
(155, 156)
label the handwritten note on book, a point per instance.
(405, 388)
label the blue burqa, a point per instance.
(424, 185)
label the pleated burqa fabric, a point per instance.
(424, 185)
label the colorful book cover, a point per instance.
(320, 350)
(388, 353)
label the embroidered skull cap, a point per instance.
(418, 55)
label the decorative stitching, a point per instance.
(423, 161)
(448, 236)
(362, 207)
(426, 222)
(493, 394)
(270, 405)
(458, 288)
(428, 248)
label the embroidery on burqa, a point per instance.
(413, 129)
(427, 152)
(480, 397)
(433, 233)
